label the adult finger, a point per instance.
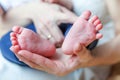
(56, 33)
(68, 16)
(51, 1)
(48, 31)
(37, 61)
(15, 50)
(42, 29)
(83, 54)
(29, 63)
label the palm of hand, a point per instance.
(60, 64)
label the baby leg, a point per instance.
(83, 32)
(28, 40)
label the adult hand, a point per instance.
(66, 3)
(48, 17)
(60, 64)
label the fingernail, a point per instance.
(20, 60)
(19, 53)
(10, 48)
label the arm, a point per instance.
(109, 53)
(1, 11)
(13, 17)
(113, 7)
(66, 3)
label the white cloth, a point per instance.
(7, 4)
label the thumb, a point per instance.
(68, 16)
(64, 18)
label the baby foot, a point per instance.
(83, 32)
(26, 39)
